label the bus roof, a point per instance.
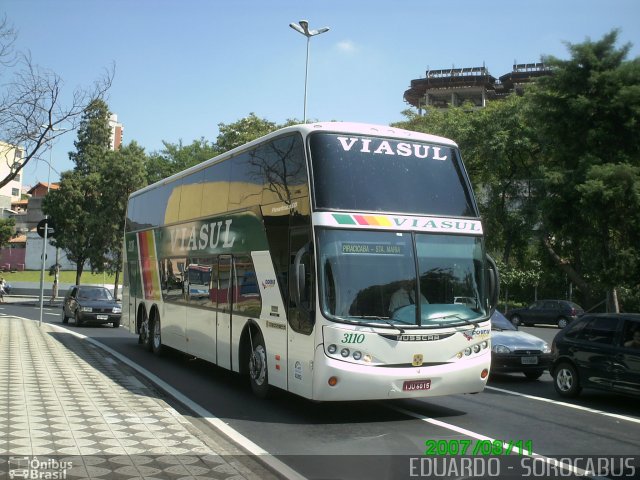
(347, 128)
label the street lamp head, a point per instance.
(303, 27)
(297, 28)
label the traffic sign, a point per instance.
(51, 230)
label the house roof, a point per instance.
(37, 186)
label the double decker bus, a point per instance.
(325, 259)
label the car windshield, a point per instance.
(499, 322)
(370, 277)
(94, 294)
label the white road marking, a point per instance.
(277, 465)
(569, 405)
(478, 436)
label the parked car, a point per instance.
(516, 351)
(548, 312)
(598, 351)
(91, 304)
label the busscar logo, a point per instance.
(268, 284)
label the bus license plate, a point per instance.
(529, 360)
(102, 317)
(411, 385)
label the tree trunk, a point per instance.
(613, 306)
(566, 267)
(115, 285)
(79, 269)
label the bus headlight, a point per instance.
(357, 355)
(332, 348)
(476, 348)
(467, 351)
(345, 352)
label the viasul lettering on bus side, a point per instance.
(207, 236)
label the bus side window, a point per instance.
(246, 292)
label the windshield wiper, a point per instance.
(455, 315)
(382, 319)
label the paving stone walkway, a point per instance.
(68, 407)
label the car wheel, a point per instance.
(65, 319)
(77, 319)
(562, 322)
(565, 380)
(533, 374)
(156, 337)
(116, 324)
(515, 319)
(257, 359)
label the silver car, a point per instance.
(516, 351)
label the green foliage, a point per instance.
(586, 116)
(7, 228)
(243, 131)
(121, 175)
(93, 138)
(73, 209)
(177, 157)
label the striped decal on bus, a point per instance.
(149, 265)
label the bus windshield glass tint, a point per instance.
(359, 173)
(370, 278)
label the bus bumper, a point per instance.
(363, 382)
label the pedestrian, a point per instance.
(3, 284)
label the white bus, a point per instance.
(325, 259)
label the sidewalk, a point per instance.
(66, 404)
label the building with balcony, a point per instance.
(452, 87)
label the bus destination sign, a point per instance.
(372, 248)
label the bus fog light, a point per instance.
(459, 355)
(367, 358)
(476, 348)
(333, 381)
(332, 349)
(357, 355)
(345, 352)
(467, 351)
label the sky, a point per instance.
(182, 67)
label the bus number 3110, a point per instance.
(353, 338)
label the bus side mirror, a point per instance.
(493, 278)
(297, 277)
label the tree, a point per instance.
(177, 157)
(587, 115)
(6, 230)
(243, 131)
(75, 206)
(122, 174)
(32, 113)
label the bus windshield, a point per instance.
(370, 174)
(370, 277)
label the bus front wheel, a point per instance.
(257, 360)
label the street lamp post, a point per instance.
(46, 231)
(303, 27)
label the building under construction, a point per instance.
(455, 86)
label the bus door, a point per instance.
(133, 293)
(300, 314)
(223, 319)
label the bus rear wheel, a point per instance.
(156, 337)
(258, 375)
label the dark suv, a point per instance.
(598, 351)
(548, 312)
